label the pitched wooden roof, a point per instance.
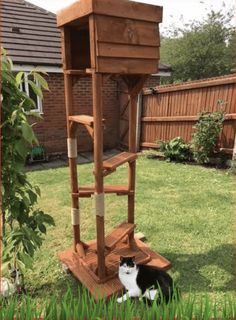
(30, 34)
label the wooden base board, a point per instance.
(112, 286)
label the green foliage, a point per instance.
(207, 130)
(24, 224)
(176, 150)
(82, 306)
(201, 49)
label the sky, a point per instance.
(174, 11)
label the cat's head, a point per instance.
(127, 265)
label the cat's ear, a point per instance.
(121, 258)
(133, 258)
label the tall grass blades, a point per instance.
(82, 306)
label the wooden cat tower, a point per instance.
(100, 39)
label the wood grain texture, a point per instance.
(121, 8)
(118, 160)
(84, 119)
(128, 9)
(98, 168)
(127, 31)
(66, 58)
(125, 51)
(88, 191)
(74, 11)
(113, 286)
(127, 65)
(195, 84)
(171, 112)
(118, 234)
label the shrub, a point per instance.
(176, 150)
(23, 223)
(207, 130)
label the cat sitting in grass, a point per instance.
(143, 281)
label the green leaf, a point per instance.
(35, 114)
(42, 228)
(33, 196)
(21, 148)
(28, 133)
(48, 219)
(43, 83)
(29, 248)
(25, 259)
(14, 116)
(19, 78)
(37, 189)
(36, 89)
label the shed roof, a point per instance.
(30, 34)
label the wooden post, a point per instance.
(132, 148)
(98, 172)
(66, 57)
(139, 123)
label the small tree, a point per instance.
(207, 131)
(23, 223)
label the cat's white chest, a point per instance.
(129, 281)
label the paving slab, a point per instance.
(83, 157)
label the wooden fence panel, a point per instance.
(171, 111)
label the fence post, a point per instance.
(234, 155)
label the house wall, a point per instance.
(51, 131)
(152, 82)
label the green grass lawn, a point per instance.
(185, 212)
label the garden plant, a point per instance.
(24, 223)
(176, 150)
(205, 137)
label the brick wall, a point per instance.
(51, 131)
(152, 82)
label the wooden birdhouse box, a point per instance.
(111, 36)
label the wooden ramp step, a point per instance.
(83, 119)
(83, 72)
(118, 160)
(88, 191)
(118, 234)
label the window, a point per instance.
(28, 90)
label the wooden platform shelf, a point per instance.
(118, 234)
(85, 269)
(88, 191)
(86, 72)
(83, 119)
(118, 160)
(115, 236)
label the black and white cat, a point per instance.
(144, 281)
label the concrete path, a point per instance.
(83, 157)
